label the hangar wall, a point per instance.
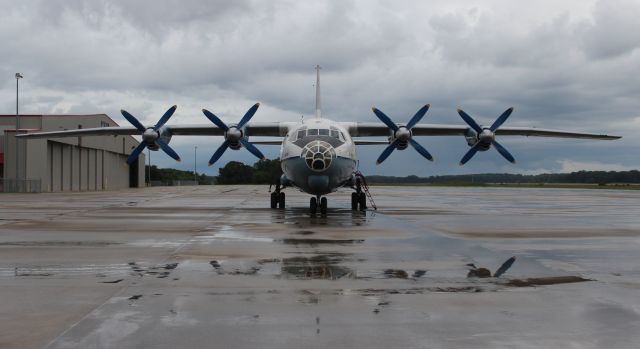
(73, 163)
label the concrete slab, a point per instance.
(213, 266)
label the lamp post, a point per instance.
(149, 169)
(195, 164)
(18, 77)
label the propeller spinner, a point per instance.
(233, 135)
(150, 135)
(486, 136)
(402, 135)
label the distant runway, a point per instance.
(213, 266)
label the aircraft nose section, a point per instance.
(318, 155)
(318, 184)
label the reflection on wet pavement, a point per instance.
(211, 266)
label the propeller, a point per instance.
(486, 136)
(233, 135)
(402, 135)
(150, 135)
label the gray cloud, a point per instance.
(562, 65)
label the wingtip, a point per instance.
(257, 104)
(211, 163)
(373, 109)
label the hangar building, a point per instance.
(66, 164)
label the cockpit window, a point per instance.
(312, 132)
(335, 133)
(301, 133)
(324, 132)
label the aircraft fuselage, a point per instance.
(318, 156)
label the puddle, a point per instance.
(545, 281)
(316, 267)
(58, 243)
(396, 273)
(313, 242)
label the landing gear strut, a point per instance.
(313, 205)
(359, 198)
(277, 198)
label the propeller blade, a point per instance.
(421, 149)
(470, 154)
(503, 152)
(385, 119)
(132, 120)
(163, 120)
(167, 149)
(219, 153)
(135, 153)
(501, 119)
(215, 120)
(248, 115)
(419, 115)
(469, 120)
(387, 151)
(252, 148)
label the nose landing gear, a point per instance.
(313, 205)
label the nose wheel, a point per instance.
(315, 202)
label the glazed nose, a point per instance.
(318, 155)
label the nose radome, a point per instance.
(318, 155)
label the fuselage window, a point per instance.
(324, 132)
(312, 132)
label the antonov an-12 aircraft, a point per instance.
(318, 155)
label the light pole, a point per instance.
(195, 164)
(149, 169)
(18, 77)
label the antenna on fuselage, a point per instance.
(318, 112)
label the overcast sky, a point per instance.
(562, 64)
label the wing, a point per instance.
(261, 129)
(370, 129)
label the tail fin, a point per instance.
(318, 111)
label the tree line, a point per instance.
(581, 177)
(269, 172)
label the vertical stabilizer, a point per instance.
(318, 112)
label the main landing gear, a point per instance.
(313, 205)
(277, 198)
(359, 198)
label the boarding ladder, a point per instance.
(365, 188)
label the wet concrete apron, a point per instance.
(213, 268)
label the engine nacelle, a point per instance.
(402, 136)
(483, 140)
(233, 136)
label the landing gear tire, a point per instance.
(281, 201)
(313, 205)
(354, 201)
(274, 200)
(362, 200)
(323, 206)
